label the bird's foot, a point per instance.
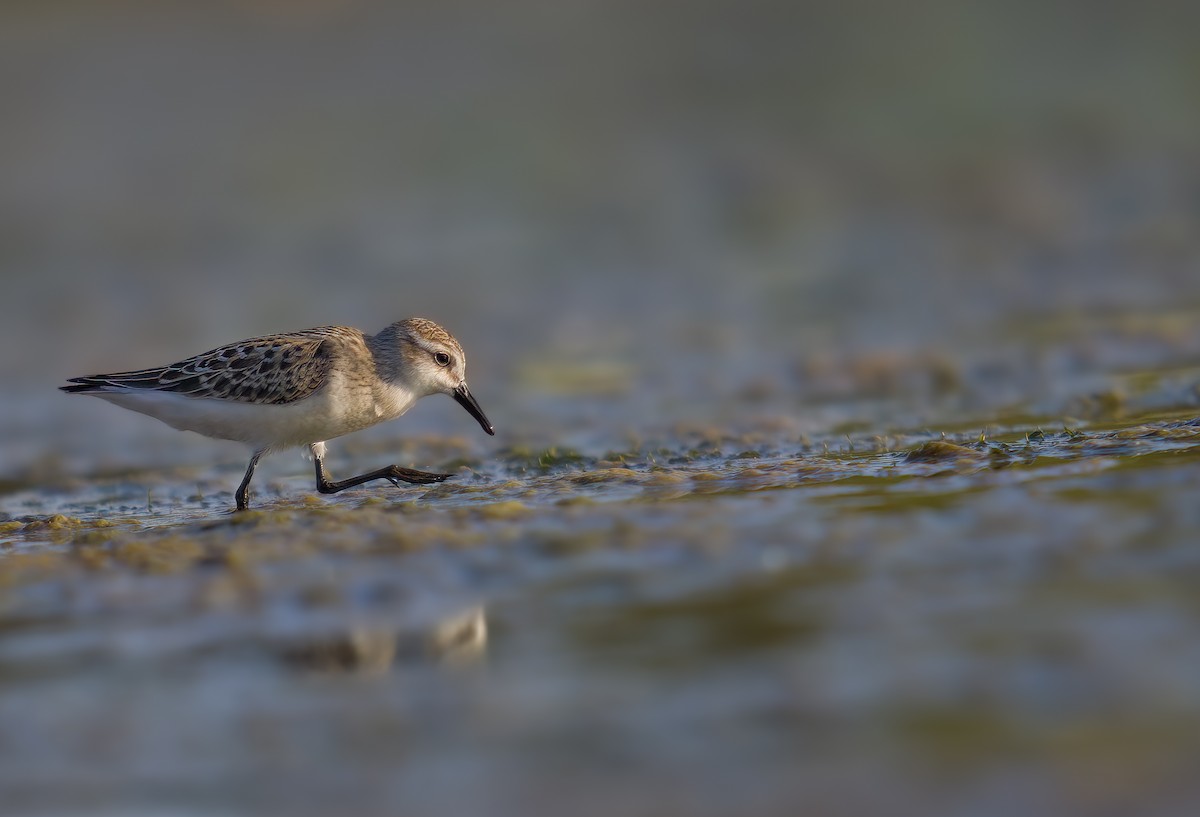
(396, 475)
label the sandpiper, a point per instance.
(300, 388)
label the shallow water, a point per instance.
(846, 382)
(939, 612)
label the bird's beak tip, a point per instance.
(465, 399)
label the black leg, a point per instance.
(243, 489)
(393, 474)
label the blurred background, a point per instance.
(650, 224)
(659, 210)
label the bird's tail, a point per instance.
(79, 385)
(122, 381)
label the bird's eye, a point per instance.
(442, 359)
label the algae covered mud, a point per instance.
(939, 611)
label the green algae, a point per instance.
(520, 460)
(606, 475)
(55, 523)
(509, 509)
(937, 451)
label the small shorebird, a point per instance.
(300, 388)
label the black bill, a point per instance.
(465, 399)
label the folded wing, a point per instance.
(275, 370)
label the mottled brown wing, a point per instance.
(274, 370)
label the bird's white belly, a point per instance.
(323, 416)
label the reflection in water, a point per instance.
(456, 640)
